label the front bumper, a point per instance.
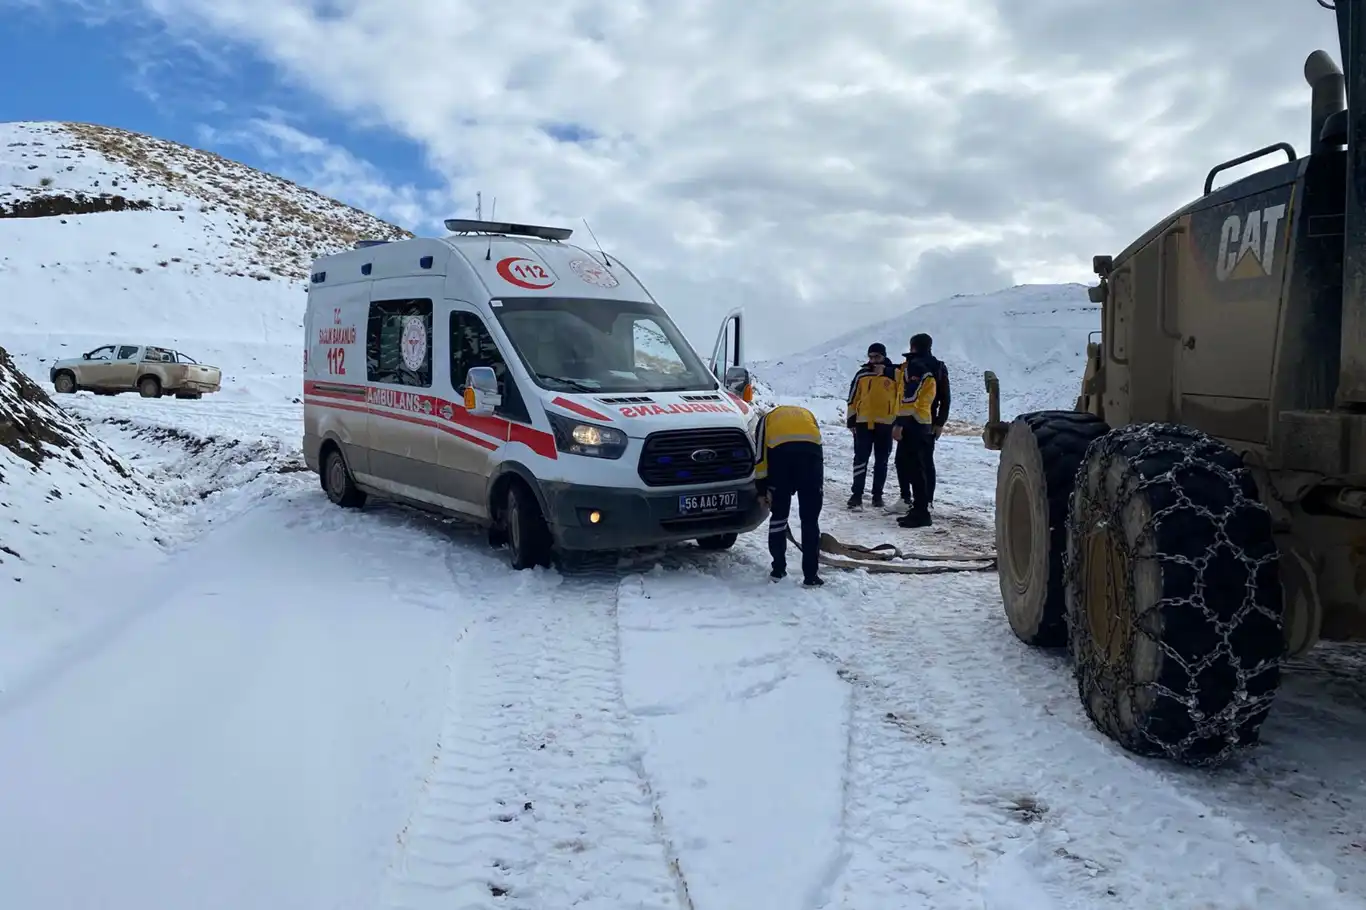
(640, 518)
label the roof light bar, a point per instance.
(470, 226)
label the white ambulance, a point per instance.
(504, 376)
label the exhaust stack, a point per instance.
(1328, 89)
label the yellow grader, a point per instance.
(1200, 514)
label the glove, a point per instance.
(938, 429)
(896, 433)
(766, 500)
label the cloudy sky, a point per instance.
(825, 165)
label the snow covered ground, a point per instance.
(219, 690)
(302, 706)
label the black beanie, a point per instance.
(877, 347)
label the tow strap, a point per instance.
(887, 558)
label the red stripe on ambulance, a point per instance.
(428, 410)
(579, 409)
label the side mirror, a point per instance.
(481, 391)
(85, 356)
(737, 379)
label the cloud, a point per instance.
(330, 169)
(823, 164)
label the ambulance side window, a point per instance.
(398, 343)
(473, 346)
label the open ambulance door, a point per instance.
(727, 357)
(728, 362)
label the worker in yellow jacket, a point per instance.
(914, 433)
(871, 411)
(791, 461)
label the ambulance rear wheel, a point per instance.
(528, 536)
(341, 489)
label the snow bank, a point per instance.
(1032, 336)
(107, 235)
(68, 505)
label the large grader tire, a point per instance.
(1174, 598)
(1039, 462)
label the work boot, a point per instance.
(855, 503)
(916, 518)
(778, 574)
(877, 501)
(813, 582)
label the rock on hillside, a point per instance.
(107, 235)
(1032, 336)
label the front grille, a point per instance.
(667, 460)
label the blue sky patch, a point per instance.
(128, 72)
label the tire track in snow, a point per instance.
(535, 797)
(977, 781)
(746, 729)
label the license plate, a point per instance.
(728, 501)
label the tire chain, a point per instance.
(1162, 461)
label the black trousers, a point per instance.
(930, 471)
(796, 469)
(915, 465)
(875, 441)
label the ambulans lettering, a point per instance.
(403, 401)
(657, 410)
(1248, 243)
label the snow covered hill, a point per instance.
(1032, 336)
(109, 235)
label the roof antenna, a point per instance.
(479, 206)
(488, 254)
(605, 261)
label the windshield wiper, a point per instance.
(574, 384)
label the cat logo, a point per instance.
(1247, 244)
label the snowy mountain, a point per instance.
(1032, 336)
(109, 235)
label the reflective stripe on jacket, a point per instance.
(785, 423)
(873, 396)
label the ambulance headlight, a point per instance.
(574, 437)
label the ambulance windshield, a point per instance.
(584, 345)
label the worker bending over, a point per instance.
(914, 433)
(871, 412)
(791, 462)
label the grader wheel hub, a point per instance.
(1019, 517)
(1108, 611)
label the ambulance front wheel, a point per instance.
(528, 536)
(718, 541)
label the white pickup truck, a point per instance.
(150, 371)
